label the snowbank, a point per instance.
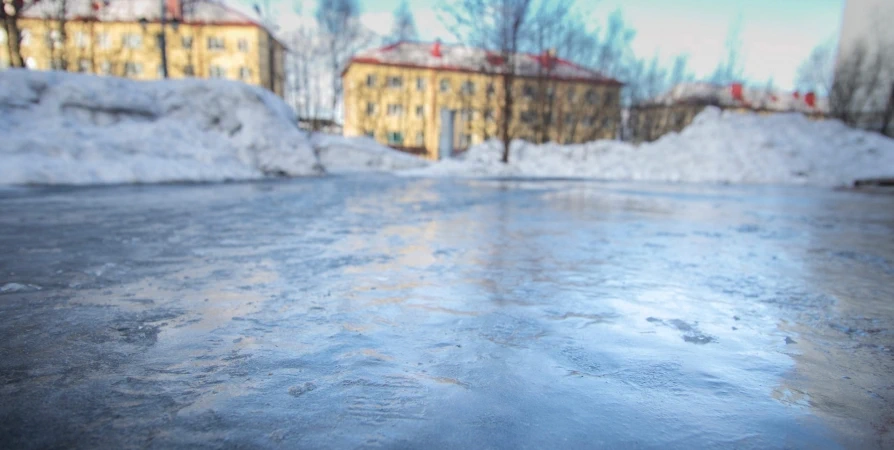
(62, 128)
(717, 147)
(360, 154)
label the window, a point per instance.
(569, 119)
(420, 139)
(420, 84)
(609, 99)
(371, 109)
(132, 68)
(103, 41)
(571, 94)
(465, 140)
(590, 121)
(395, 110)
(491, 89)
(468, 88)
(105, 68)
(83, 65)
(371, 134)
(186, 42)
(528, 91)
(528, 116)
(592, 97)
(216, 43)
(395, 138)
(25, 37)
(131, 40)
(371, 80)
(242, 45)
(244, 73)
(81, 39)
(54, 39)
(395, 82)
(547, 118)
(420, 111)
(467, 114)
(189, 70)
(445, 85)
(217, 72)
(607, 123)
(489, 115)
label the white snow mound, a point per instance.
(360, 154)
(718, 147)
(63, 128)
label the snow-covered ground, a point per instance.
(360, 154)
(719, 147)
(62, 128)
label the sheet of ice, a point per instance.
(339, 154)
(718, 147)
(62, 128)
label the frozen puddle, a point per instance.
(367, 311)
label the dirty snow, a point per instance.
(719, 147)
(61, 128)
(18, 287)
(360, 154)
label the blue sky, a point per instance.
(777, 34)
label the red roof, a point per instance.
(456, 58)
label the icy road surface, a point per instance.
(382, 312)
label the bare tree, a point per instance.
(497, 25)
(815, 73)
(680, 72)
(613, 46)
(730, 68)
(404, 28)
(338, 20)
(56, 38)
(888, 114)
(859, 77)
(9, 13)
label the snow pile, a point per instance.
(718, 147)
(61, 128)
(360, 154)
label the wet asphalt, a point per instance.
(373, 311)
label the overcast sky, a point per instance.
(777, 34)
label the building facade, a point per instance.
(395, 94)
(675, 110)
(203, 39)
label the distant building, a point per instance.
(395, 94)
(205, 39)
(675, 110)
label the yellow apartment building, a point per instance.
(395, 94)
(204, 39)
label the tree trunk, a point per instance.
(506, 116)
(889, 114)
(12, 40)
